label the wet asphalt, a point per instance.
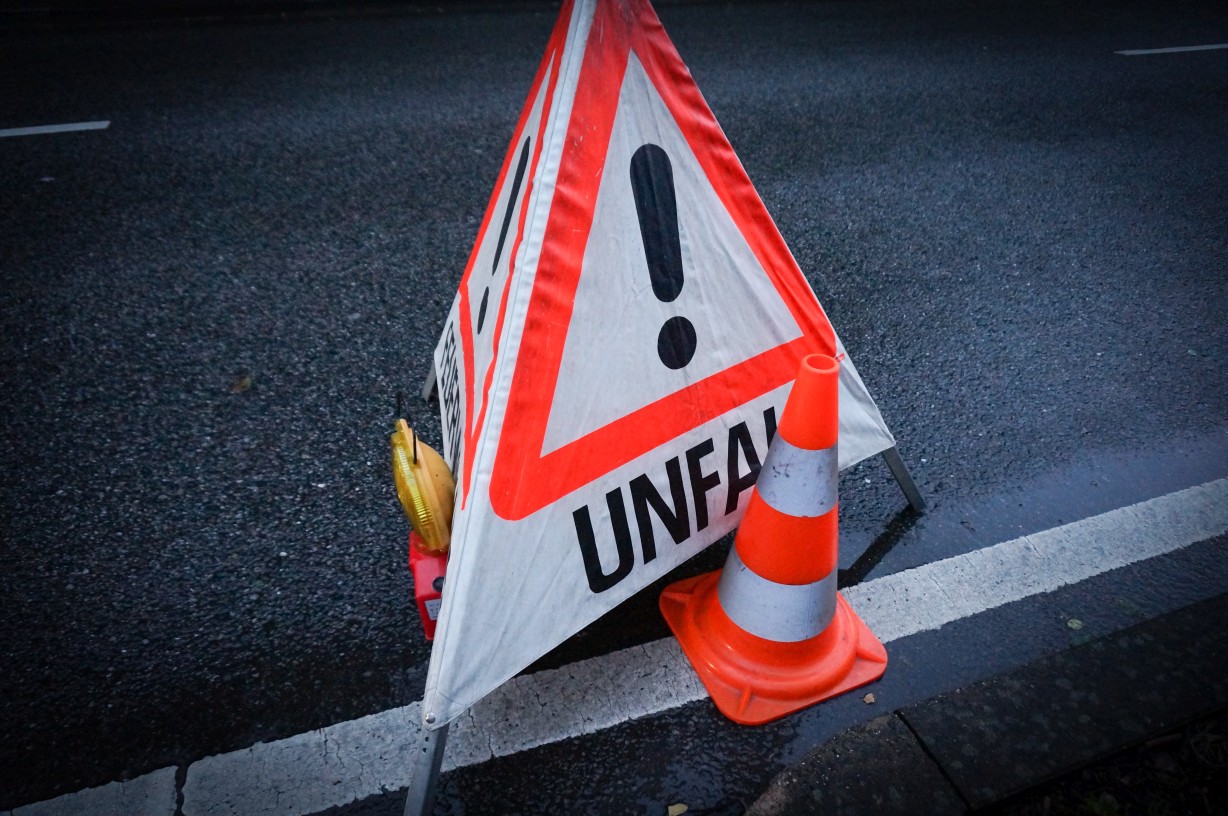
(208, 309)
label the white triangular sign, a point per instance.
(617, 318)
(626, 331)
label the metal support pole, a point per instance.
(421, 797)
(428, 387)
(892, 457)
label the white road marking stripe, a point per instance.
(71, 127)
(1181, 49)
(938, 593)
(40, 130)
(349, 761)
(150, 795)
(309, 772)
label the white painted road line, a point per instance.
(941, 592)
(353, 760)
(40, 130)
(1181, 49)
(150, 795)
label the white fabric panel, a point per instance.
(517, 588)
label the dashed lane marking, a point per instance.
(41, 130)
(353, 760)
(1180, 49)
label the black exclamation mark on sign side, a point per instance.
(652, 185)
(507, 222)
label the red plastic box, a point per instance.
(428, 570)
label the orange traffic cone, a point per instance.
(769, 634)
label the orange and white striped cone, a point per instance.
(769, 634)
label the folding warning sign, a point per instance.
(624, 337)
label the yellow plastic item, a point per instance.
(425, 487)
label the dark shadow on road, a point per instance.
(900, 524)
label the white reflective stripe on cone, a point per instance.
(785, 613)
(799, 482)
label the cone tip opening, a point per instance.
(820, 364)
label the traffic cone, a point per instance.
(769, 634)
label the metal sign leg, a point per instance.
(427, 761)
(428, 387)
(892, 457)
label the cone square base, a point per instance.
(753, 680)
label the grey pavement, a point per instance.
(980, 745)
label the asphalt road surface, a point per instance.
(208, 308)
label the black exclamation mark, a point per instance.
(652, 184)
(507, 222)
